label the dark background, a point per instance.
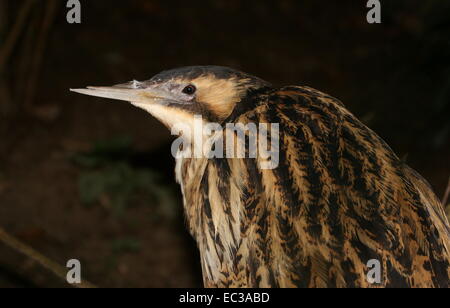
(92, 179)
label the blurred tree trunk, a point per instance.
(10, 34)
(3, 19)
(46, 24)
(5, 98)
(24, 32)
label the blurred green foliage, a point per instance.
(125, 245)
(108, 177)
(119, 247)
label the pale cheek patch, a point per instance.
(167, 115)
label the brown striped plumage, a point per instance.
(338, 198)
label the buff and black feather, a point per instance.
(339, 198)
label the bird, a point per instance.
(338, 199)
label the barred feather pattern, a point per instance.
(339, 198)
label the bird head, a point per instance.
(178, 95)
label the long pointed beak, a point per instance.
(134, 92)
(111, 92)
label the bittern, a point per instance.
(338, 199)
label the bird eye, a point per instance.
(190, 89)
